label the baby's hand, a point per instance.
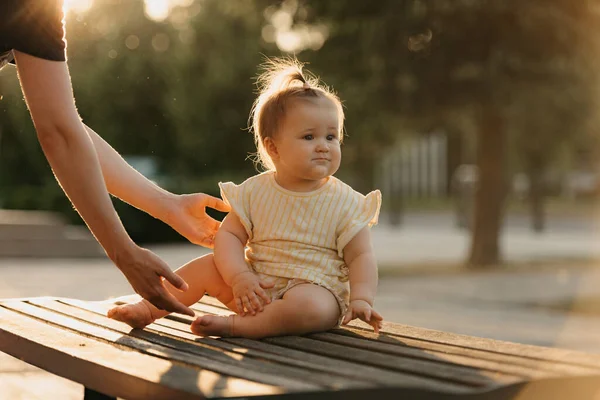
(248, 292)
(363, 310)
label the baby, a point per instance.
(294, 255)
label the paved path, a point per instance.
(499, 305)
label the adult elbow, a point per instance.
(55, 137)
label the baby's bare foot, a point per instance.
(136, 315)
(212, 325)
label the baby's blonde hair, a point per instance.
(283, 79)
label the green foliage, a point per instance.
(180, 90)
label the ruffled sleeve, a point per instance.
(361, 212)
(237, 197)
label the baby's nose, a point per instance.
(322, 147)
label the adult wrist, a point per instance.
(165, 206)
(123, 252)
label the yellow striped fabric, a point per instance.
(301, 235)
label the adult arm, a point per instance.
(184, 213)
(70, 152)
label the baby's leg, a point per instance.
(304, 308)
(202, 277)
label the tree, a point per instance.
(422, 61)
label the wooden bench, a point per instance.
(74, 339)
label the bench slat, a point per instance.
(394, 346)
(427, 368)
(149, 348)
(76, 340)
(505, 360)
(353, 371)
(495, 356)
(107, 368)
(423, 337)
(562, 356)
(183, 343)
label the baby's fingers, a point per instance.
(266, 284)
(348, 317)
(263, 295)
(256, 304)
(376, 325)
(239, 306)
(248, 305)
(366, 315)
(376, 316)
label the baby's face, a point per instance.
(308, 143)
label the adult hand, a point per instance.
(187, 215)
(146, 273)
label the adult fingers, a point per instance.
(174, 279)
(166, 301)
(216, 203)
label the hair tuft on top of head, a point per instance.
(279, 74)
(280, 81)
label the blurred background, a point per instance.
(477, 119)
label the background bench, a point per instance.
(75, 340)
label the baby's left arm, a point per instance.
(359, 257)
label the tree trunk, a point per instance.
(490, 192)
(536, 195)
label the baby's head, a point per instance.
(297, 122)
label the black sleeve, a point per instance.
(34, 27)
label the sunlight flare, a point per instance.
(77, 6)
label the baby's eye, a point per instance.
(331, 137)
(308, 137)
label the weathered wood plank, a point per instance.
(564, 356)
(536, 357)
(48, 333)
(475, 354)
(485, 360)
(492, 346)
(256, 373)
(394, 346)
(424, 368)
(182, 342)
(380, 375)
(108, 368)
(331, 367)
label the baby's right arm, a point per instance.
(230, 241)
(229, 258)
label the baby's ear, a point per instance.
(271, 148)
